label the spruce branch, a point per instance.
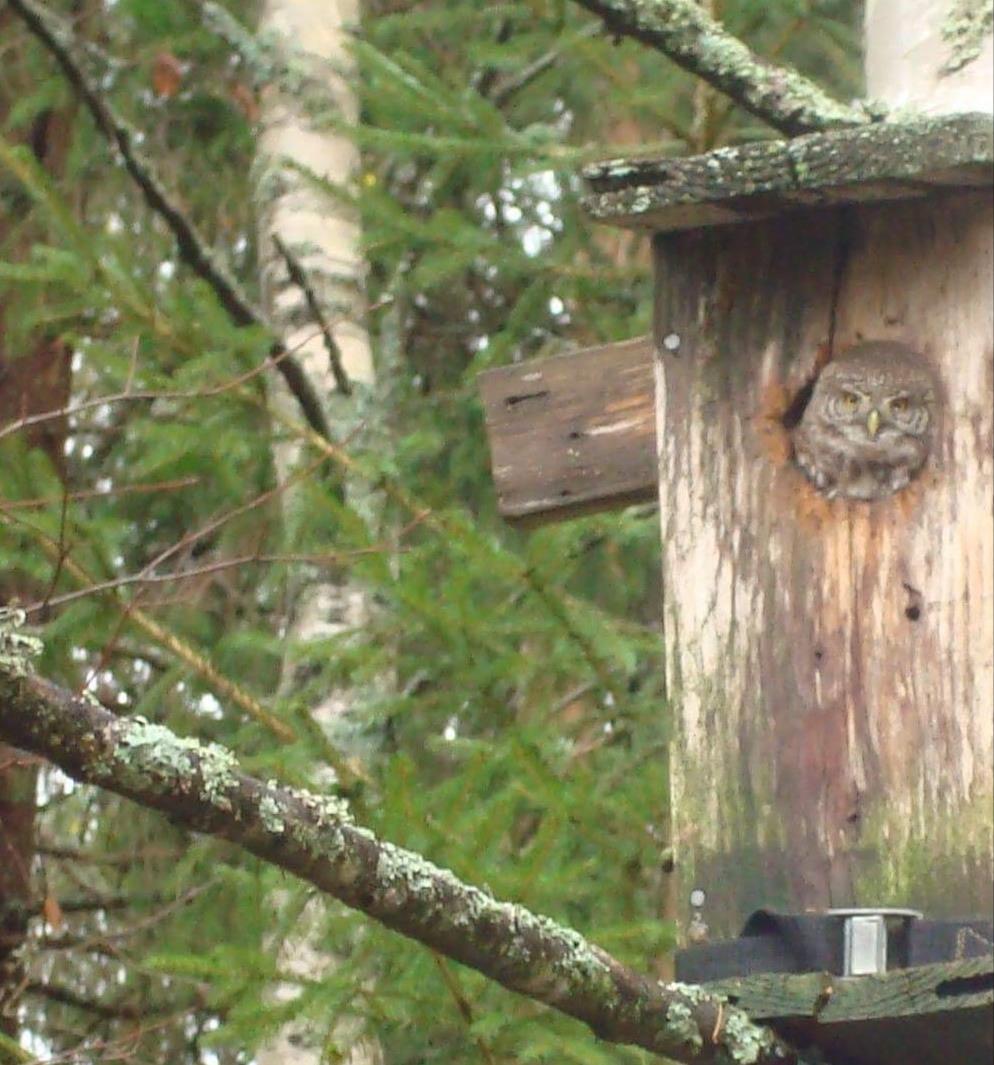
(686, 33)
(192, 248)
(314, 837)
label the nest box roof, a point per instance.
(873, 162)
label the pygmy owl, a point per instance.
(867, 429)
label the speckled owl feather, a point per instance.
(867, 429)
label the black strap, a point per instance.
(801, 943)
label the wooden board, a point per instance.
(928, 1015)
(879, 161)
(573, 434)
(829, 663)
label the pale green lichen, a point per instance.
(691, 992)
(322, 834)
(744, 1041)
(680, 1025)
(405, 874)
(271, 815)
(327, 809)
(967, 25)
(152, 751)
(17, 648)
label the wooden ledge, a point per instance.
(573, 434)
(930, 1015)
(882, 161)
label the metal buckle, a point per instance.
(864, 937)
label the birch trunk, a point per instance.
(830, 663)
(323, 237)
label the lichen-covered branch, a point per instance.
(683, 31)
(193, 249)
(314, 837)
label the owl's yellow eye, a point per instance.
(900, 404)
(850, 400)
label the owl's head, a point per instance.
(876, 394)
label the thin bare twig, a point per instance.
(330, 558)
(188, 655)
(299, 277)
(111, 1011)
(110, 938)
(147, 395)
(97, 904)
(193, 249)
(158, 487)
(119, 859)
(513, 83)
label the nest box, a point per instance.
(829, 662)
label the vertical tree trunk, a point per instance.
(830, 662)
(322, 236)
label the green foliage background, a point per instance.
(521, 738)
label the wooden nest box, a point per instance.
(828, 660)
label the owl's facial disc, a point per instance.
(867, 428)
(873, 417)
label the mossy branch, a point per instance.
(683, 31)
(314, 837)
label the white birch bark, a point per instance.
(934, 56)
(323, 236)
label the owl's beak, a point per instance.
(873, 423)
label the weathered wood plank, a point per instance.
(885, 161)
(936, 988)
(930, 1015)
(572, 434)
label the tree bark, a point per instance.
(830, 663)
(312, 267)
